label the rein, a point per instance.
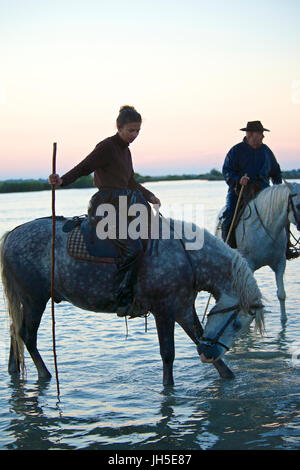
(262, 224)
(290, 205)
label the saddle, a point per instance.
(83, 243)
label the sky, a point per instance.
(197, 71)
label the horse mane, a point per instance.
(269, 202)
(246, 288)
(244, 284)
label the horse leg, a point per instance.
(165, 330)
(280, 288)
(32, 318)
(193, 328)
(190, 323)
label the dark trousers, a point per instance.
(231, 201)
(130, 251)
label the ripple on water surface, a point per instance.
(111, 392)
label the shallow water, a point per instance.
(111, 386)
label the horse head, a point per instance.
(223, 326)
(238, 304)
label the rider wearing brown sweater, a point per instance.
(111, 160)
(111, 163)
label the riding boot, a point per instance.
(126, 280)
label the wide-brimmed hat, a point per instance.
(254, 126)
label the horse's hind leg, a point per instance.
(165, 328)
(31, 323)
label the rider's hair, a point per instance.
(128, 114)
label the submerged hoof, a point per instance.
(45, 376)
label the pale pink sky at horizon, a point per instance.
(196, 72)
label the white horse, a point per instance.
(260, 234)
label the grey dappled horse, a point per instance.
(260, 234)
(168, 283)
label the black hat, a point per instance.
(254, 126)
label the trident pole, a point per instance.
(53, 268)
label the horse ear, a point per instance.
(289, 185)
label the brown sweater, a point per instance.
(111, 163)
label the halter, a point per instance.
(236, 309)
(292, 205)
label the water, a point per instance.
(111, 387)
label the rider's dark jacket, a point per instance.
(111, 163)
(259, 164)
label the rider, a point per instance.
(250, 161)
(111, 163)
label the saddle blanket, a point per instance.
(76, 248)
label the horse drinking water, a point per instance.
(167, 285)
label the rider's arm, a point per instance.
(98, 158)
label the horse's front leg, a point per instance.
(192, 326)
(279, 272)
(165, 330)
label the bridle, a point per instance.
(236, 308)
(292, 206)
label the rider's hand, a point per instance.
(55, 179)
(155, 200)
(244, 180)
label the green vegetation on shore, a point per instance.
(14, 186)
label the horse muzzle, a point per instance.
(210, 351)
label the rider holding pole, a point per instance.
(111, 163)
(249, 162)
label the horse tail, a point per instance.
(14, 305)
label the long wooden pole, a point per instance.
(227, 238)
(53, 268)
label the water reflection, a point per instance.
(237, 414)
(30, 427)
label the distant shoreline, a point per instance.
(26, 185)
